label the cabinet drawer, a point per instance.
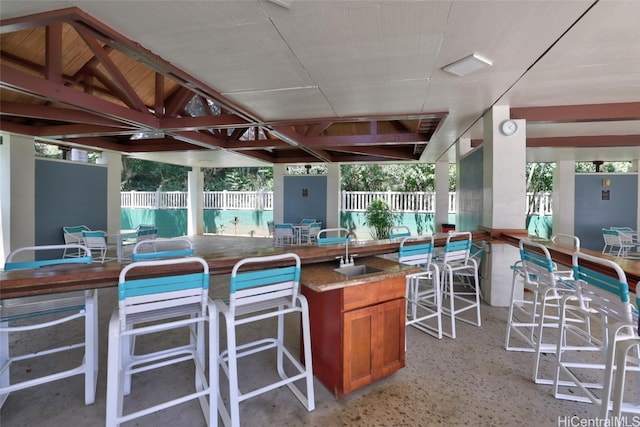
(373, 293)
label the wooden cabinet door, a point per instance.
(360, 339)
(392, 336)
(373, 343)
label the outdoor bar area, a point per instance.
(290, 304)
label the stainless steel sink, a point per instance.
(356, 270)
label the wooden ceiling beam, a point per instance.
(378, 151)
(16, 80)
(130, 97)
(37, 20)
(48, 112)
(579, 113)
(82, 131)
(53, 52)
(585, 141)
(378, 139)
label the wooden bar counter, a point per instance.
(221, 253)
(563, 255)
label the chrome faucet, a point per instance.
(348, 261)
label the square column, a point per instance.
(17, 193)
(195, 204)
(442, 194)
(564, 195)
(504, 200)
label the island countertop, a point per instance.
(322, 277)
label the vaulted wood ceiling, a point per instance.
(66, 76)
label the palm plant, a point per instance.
(380, 219)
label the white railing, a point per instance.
(153, 199)
(352, 201)
(239, 200)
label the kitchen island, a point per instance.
(357, 321)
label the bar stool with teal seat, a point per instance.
(149, 308)
(30, 314)
(424, 298)
(263, 288)
(586, 357)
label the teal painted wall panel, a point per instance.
(173, 223)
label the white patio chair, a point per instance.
(73, 236)
(256, 296)
(310, 234)
(586, 357)
(27, 315)
(424, 298)
(96, 241)
(283, 234)
(535, 315)
(150, 307)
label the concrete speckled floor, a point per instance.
(470, 381)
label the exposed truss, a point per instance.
(66, 76)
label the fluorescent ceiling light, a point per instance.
(147, 135)
(283, 3)
(467, 65)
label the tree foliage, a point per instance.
(144, 175)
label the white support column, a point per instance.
(195, 204)
(563, 204)
(333, 196)
(17, 193)
(442, 194)
(278, 192)
(635, 167)
(113, 162)
(504, 199)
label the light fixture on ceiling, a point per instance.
(147, 135)
(467, 65)
(284, 137)
(283, 3)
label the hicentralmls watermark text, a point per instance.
(621, 421)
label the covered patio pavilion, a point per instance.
(273, 83)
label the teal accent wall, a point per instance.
(67, 194)
(470, 191)
(173, 223)
(305, 196)
(598, 207)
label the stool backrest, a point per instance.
(162, 292)
(332, 236)
(146, 234)
(457, 247)
(273, 282)
(606, 293)
(15, 260)
(162, 249)
(537, 263)
(398, 231)
(416, 251)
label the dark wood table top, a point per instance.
(221, 253)
(563, 255)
